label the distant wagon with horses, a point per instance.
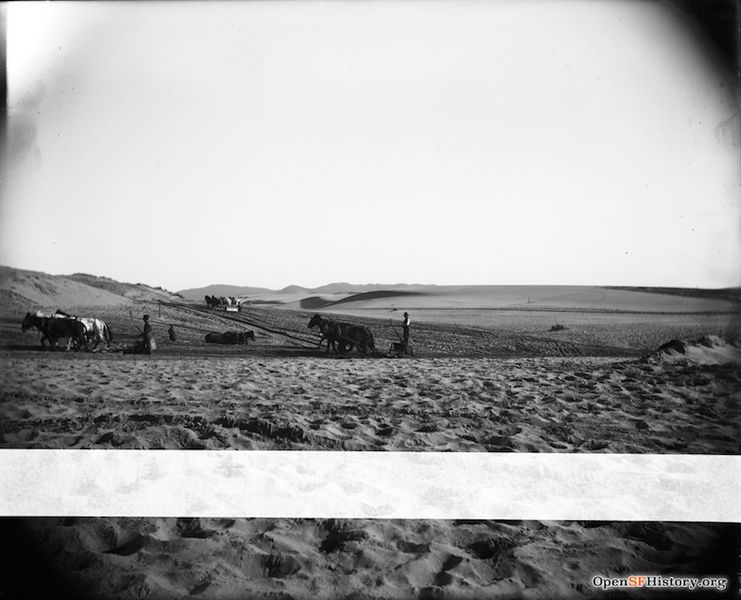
(230, 304)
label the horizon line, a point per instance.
(398, 283)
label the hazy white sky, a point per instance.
(270, 143)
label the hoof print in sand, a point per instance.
(443, 577)
(278, 566)
(384, 429)
(491, 548)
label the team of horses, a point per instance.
(343, 336)
(80, 332)
(221, 301)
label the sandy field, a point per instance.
(131, 558)
(480, 381)
(566, 404)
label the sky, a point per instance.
(271, 143)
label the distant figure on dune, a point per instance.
(171, 333)
(148, 337)
(405, 325)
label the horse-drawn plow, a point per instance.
(400, 349)
(80, 332)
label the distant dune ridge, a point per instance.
(21, 288)
(344, 297)
(330, 288)
(221, 290)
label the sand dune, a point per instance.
(583, 298)
(366, 297)
(41, 290)
(360, 300)
(708, 350)
(26, 290)
(526, 298)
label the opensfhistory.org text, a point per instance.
(660, 582)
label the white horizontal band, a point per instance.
(387, 485)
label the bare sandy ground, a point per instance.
(506, 385)
(327, 559)
(562, 404)
(567, 404)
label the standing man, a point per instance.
(405, 328)
(171, 333)
(148, 337)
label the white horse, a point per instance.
(96, 330)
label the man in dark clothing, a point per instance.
(171, 333)
(148, 337)
(406, 324)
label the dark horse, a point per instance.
(96, 330)
(54, 328)
(230, 337)
(357, 336)
(329, 330)
(343, 336)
